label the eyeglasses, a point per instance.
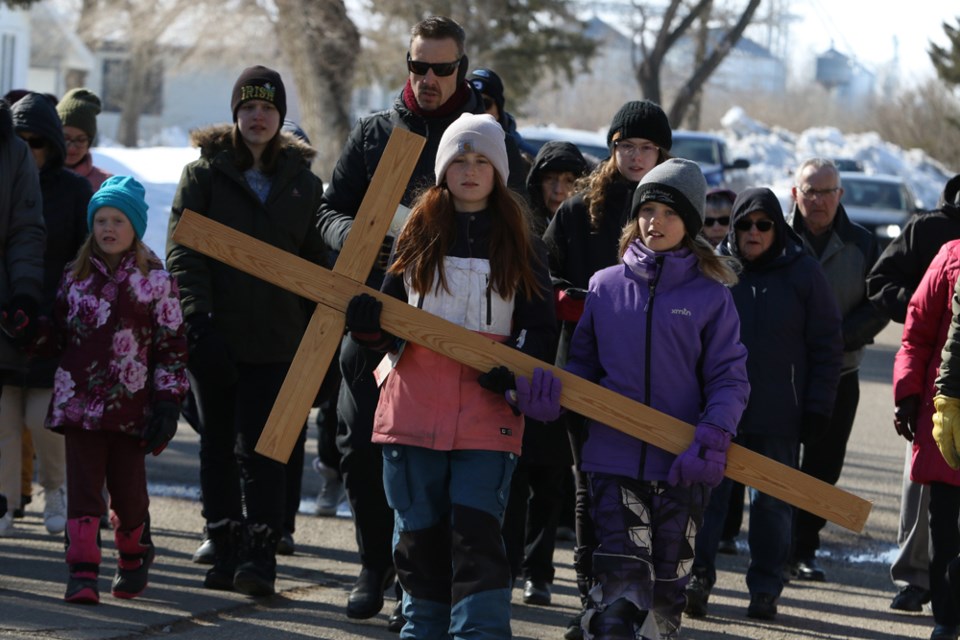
(441, 69)
(79, 141)
(629, 149)
(745, 224)
(35, 143)
(722, 221)
(813, 194)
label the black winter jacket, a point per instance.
(65, 199)
(901, 266)
(790, 325)
(21, 227)
(577, 251)
(260, 322)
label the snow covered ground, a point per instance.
(773, 153)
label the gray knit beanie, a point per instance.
(678, 183)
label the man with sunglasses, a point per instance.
(847, 252)
(435, 95)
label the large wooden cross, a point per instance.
(334, 289)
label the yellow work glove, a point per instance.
(946, 429)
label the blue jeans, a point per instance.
(448, 551)
(770, 523)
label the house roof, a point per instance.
(53, 43)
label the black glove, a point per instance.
(905, 417)
(208, 356)
(161, 427)
(18, 319)
(813, 426)
(499, 380)
(363, 318)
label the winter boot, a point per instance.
(257, 567)
(225, 540)
(621, 620)
(83, 558)
(136, 553)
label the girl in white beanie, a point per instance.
(450, 440)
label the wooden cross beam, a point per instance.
(333, 291)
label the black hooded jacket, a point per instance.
(789, 323)
(901, 266)
(65, 199)
(555, 155)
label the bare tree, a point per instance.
(320, 44)
(673, 25)
(140, 29)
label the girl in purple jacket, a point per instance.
(660, 328)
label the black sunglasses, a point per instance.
(35, 143)
(488, 102)
(441, 69)
(745, 224)
(722, 221)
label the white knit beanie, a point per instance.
(477, 133)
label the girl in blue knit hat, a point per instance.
(118, 329)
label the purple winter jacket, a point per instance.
(657, 330)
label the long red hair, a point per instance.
(430, 232)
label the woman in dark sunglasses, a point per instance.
(790, 324)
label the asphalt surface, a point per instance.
(313, 584)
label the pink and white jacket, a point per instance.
(431, 401)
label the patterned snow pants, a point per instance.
(646, 532)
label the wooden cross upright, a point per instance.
(334, 289)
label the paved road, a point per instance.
(313, 584)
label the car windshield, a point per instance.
(699, 150)
(874, 195)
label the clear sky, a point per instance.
(866, 29)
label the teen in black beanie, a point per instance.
(641, 119)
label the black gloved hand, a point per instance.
(208, 356)
(161, 427)
(363, 318)
(813, 426)
(499, 380)
(905, 417)
(18, 319)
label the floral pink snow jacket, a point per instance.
(123, 347)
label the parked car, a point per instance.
(592, 144)
(710, 152)
(879, 202)
(848, 164)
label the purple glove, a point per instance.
(537, 398)
(705, 459)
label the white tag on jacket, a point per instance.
(388, 364)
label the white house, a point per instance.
(14, 48)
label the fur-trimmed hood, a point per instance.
(216, 138)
